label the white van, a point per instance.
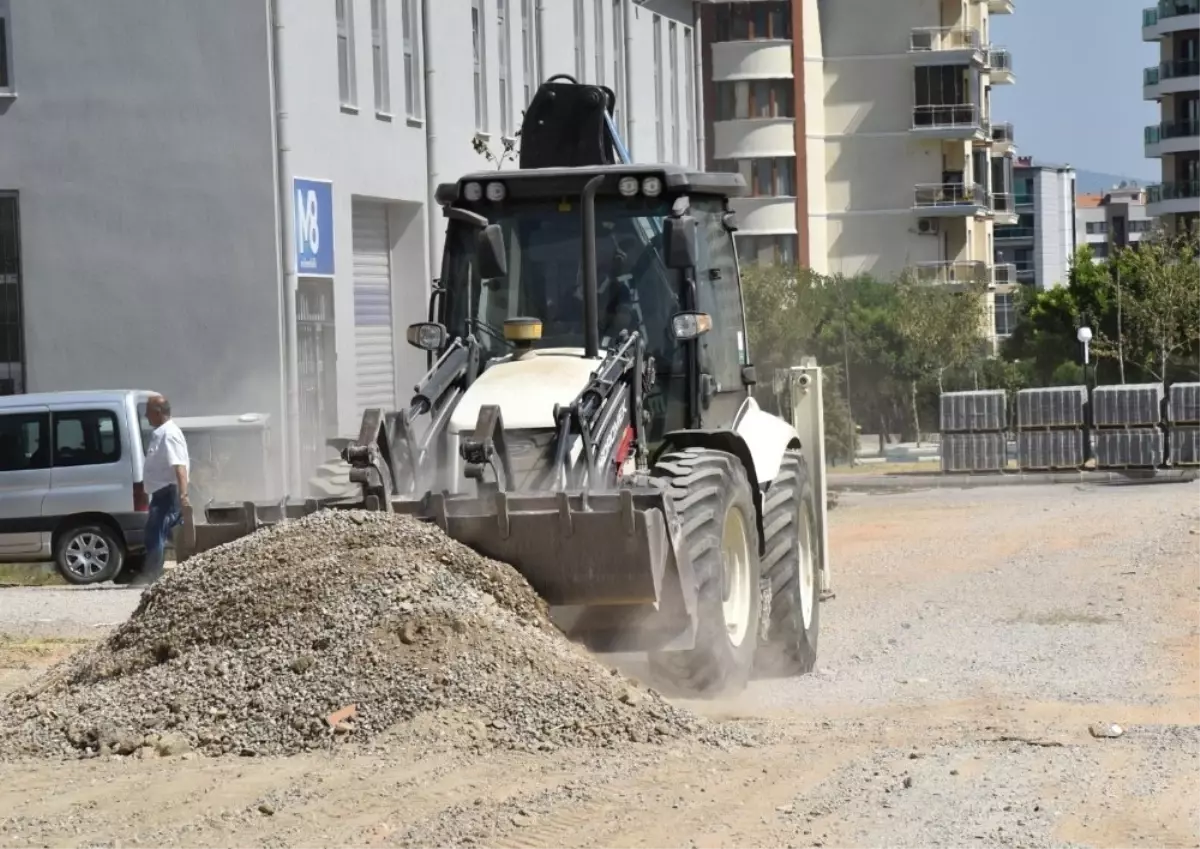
(71, 480)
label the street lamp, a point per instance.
(1084, 335)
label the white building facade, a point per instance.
(231, 202)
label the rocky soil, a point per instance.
(333, 628)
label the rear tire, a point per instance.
(715, 503)
(89, 553)
(790, 567)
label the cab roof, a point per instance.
(557, 182)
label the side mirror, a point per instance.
(493, 260)
(427, 335)
(686, 326)
(681, 242)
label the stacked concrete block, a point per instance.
(972, 431)
(1128, 421)
(1051, 428)
(1183, 424)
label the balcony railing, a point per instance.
(949, 195)
(954, 115)
(1024, 199)
(1173, 191)
(1150, 76)
(933, 39)
(1003, 202)
(1175, 69)
(1149, 17)
(1156, 133)
(1025, 270)
(951, 272)
(1012, 234)
(1000, 60)
(1003, 133)
(1175, 8)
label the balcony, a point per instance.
(1004, 209)
(1010, 234)
(950, 200)
(960, 121)
(1175, 76)
(1004, 140)
(1025, 272)
(1170, 16)
(952, 273)
(1000, 7)
(1171, 137)
(1173, 198)
(1000, 64)
(947, 46)
(1023, 199)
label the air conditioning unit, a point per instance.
(927, 226)
(922, 41)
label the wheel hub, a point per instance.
(87, 555)
(737, 594)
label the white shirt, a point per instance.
(168, 449)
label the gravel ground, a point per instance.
(65, 611)
(974, 639)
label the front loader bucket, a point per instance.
(594, 550)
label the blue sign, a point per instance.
(312, 210)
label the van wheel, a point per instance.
(88, 554)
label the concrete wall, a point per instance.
(1054, 231)
(140, 145)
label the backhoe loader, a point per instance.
(587, 415)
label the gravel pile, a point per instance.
(335, 627)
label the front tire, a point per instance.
(89, 553)
(790, 567)
(715, 503)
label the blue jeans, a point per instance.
(165, 513)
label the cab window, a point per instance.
(24, 442)
(724, 347)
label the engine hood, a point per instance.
(527, 389)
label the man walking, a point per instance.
(165, 477)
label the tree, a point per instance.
(1163, 315)
(939, 328)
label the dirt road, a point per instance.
(974, 638)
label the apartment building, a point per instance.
(1040, 245)
(1175, 84)
(1113, 220)
(865, 132)
(231, 201)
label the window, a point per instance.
(769, 177)
(347, 83)
(5, 51)
(24, 443)
(505, 35)
(599, 7)
(723, 350)
(412, 66)
(579, 40)
(659, 131)
(740, 101)
(619, 62)
(1095, 227)
(479, 48)
(689, 93)
(379, 57)
(753, 21)
(1005, 313)
(12, 324)
(529, 55)
(767, 250)
(673, 52)
(86, 438)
